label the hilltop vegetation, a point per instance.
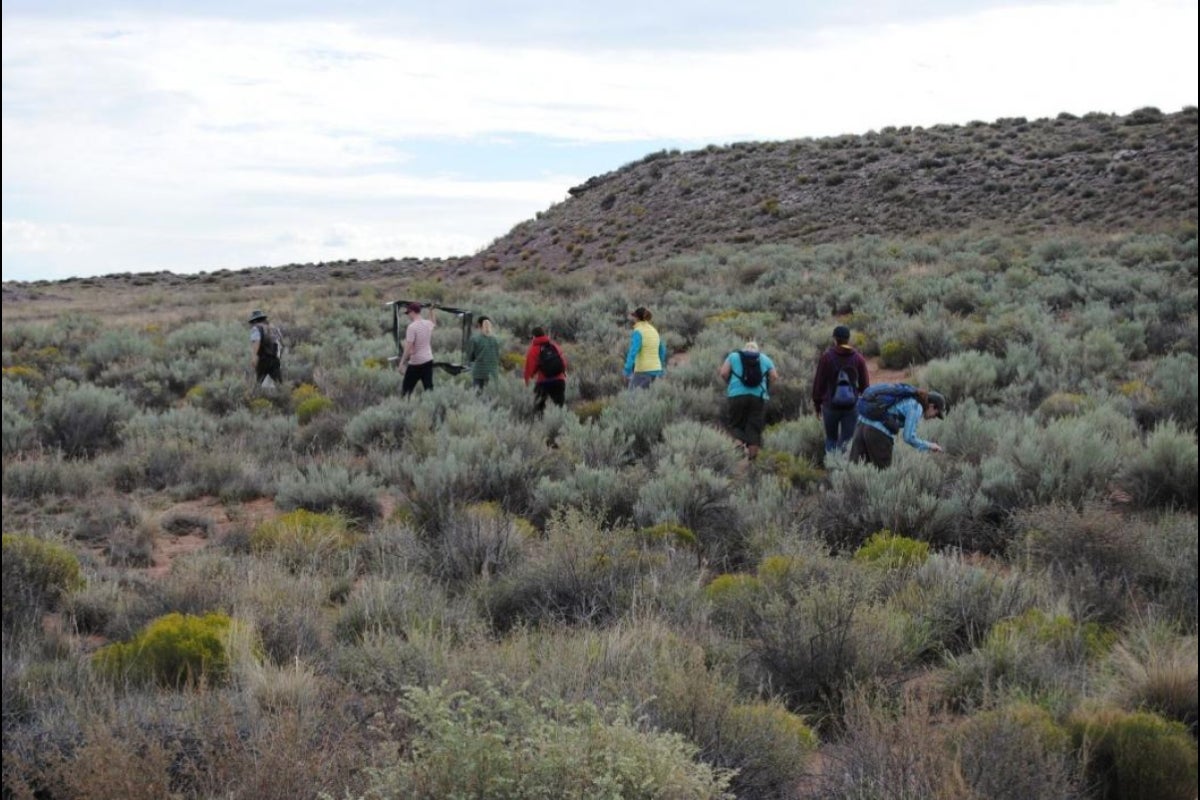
(330, 591)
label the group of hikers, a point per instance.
(856, 413)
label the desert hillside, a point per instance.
(1099, 171)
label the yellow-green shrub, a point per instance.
(887, 550)
(303, 537)
(1136, 756)
(312, 407)
(305, 391)
(796, 471)
(1058, 631)
(670, 533)
(1062, 404)
(512, 362)
(36, 574)
(175, 650)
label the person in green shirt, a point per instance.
(483, 354)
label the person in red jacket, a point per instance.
(841, 377)
(546, 365)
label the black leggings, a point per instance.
(414, 373)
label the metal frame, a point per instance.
(466, 318)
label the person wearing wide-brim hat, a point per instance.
(266, 348)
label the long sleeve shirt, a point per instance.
(910, 411)
(531, 360)
(831, 362)
(643, 356)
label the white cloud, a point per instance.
(202, 140)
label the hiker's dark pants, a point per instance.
(414, 373)
(839, 427)
(556, 391)
(268, 365)
(870, 446)
(747, 418)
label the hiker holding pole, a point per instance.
(417, 358)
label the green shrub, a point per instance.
(1175, 383)
(37, 574)
(583, 572)
(47, 477)
(1136, 755)
(519, 749)
(1042, 655)
(1165, 473)
(481, 540)
(964, 375)
(1154, 669)
(957, 603)
(890, 551)
(1062, 404)
(1017, 752)
(330, 488)
(174, 651)
(699, 500)
(84, 420)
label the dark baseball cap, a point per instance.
(412, 308)
(841, 333)
(938, 401)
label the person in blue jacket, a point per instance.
(874, 440)
(646, 359)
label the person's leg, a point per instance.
(641, 380)
(558, 392)
(879, 447)
(738, 410)
(858, 445)
(479, 383)
(539, 398)
(427, 375)
(830, 417)
(756, 420)
(844, 427)
(411, 376)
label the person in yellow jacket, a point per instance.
(646, 359)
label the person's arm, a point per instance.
(432, 317)
(912, 412)
(406, 353)
(818, 387)
(635, 346)
(662, 354)
(255, 341)
(530, 364)
(563, 356)
(864, 377)
(725, 370)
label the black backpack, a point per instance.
(269, 345)
(752, 374)
(549, 361)
(877, 401)
(845, 390)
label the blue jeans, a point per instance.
(839, 427)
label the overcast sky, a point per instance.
(147, 135)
